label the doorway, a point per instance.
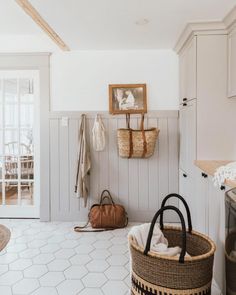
(19, 144)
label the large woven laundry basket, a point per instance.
(154, 274)
(230, 263)
(138, 143)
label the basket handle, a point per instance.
(186, 207)
(127, 121)
(141, 122)
(184, 235)
(107, 196)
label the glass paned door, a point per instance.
(19, 133)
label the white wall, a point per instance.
(80, 79)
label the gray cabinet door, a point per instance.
(188, 130)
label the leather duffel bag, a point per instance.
(105, 216)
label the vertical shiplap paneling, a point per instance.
(163, 162)
(143, 186)
(113, 162)
(73, 151)
(153, 166)
(134, 177)
(139, 184)
(123, 175)
(54, 169)
(64, 169)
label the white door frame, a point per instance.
(41, 63)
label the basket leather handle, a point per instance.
(143, 136)
(184, 235)
(107, 196)
(186, 207)
(128, 126)
(128, 121)
(131, 137)
(142, 123)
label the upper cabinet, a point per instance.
(188, 71)
(232, 63)
(206, 127)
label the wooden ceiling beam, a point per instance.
(37, 18)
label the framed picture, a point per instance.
(127, 98)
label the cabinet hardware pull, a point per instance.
(184, 175)
(185, 99)
(185, 104)
(203, 174)
(222, 187)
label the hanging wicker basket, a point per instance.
(136, 143)
(154, 274)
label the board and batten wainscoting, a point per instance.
(138, 184)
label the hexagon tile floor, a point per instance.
(51, 259)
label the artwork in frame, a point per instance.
(127, 98)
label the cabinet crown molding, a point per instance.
(208, 27)
(230, 19)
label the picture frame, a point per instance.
(127, 99)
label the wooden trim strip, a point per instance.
(37, 18)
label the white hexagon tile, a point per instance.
(49, 258)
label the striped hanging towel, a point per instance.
(84, 164)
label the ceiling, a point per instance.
(111, 24)
(18, 32)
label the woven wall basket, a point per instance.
(230, 263)
(136, 143)
(154, 274)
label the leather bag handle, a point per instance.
(185, 205)
(184, 235)
(107, 196)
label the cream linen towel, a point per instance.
(84, 163)
(159, 244)
(98, 131)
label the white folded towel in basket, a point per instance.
(159, 244)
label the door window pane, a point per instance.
(11, 142)
(11, 193)
(27, 167)
(10, 90)
(11, 167)
(27, 189)
(1, 168)
(1, 114)
(11, 115)
(1, 143)
(26, 115)
(1, 96)
(26, 142)
(1, 192)
(26, 91)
